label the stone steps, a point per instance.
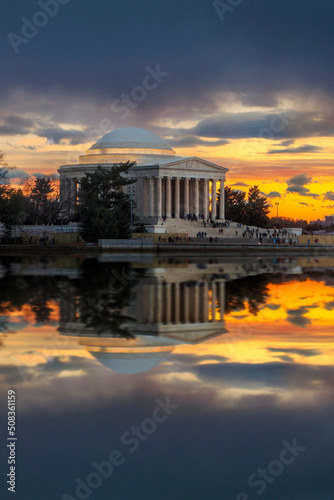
(192, 228)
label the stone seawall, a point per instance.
(312, 250)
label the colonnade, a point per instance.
(162, 197)
(179, 196)
(182, 303)
(163, 303)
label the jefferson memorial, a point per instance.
(167, 185)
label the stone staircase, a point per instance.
(192, 228)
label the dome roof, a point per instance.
(131, 138)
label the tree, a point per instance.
(11, 207)
(45, 204)
(235, 205)
(104, 209)
(4, 169)
(257, 208)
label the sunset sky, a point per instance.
(247, 84)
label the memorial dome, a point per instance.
(131, 138)
(128, 144)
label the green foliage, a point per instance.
(11, 207)
(257, 208)
(252, 211)
(45, 206)
(11, 201)
(105, 210)
(235, 205)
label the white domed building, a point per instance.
(167, 185)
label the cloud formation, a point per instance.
(307, 148)
(297, 185)
(329, 195)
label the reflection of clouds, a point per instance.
(296, 316)
(285, 358)
(300, 321)
(272, 307)
(307, 353)
(329, 305)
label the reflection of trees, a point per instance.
(36, 291)
(251, 290)
(105, 289)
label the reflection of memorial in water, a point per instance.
(175, 303)
(164, 311)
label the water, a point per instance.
(169, 378)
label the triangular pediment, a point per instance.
(194, 164)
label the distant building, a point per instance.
(329, 220)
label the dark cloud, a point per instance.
(287, 143)
(15, 125)
(58, 135)
(209, 64)
(307, 148)
(202, 54)
(243, 184)
(274, 194)
(297, 185)
(303, 203)
(265, 125)
(191, 141)
(329, 305)
(329, 195)
(16, 173)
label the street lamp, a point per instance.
(277, 212)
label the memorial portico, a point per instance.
(167, 185)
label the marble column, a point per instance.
(168, 197)
(206, 198)
(158, 298)
(214, 200)
(177, 198)
(158, 201)
(139, 187)
(186, 196)
(62, 189)
(151, 197)
(222, 200)
(168, 288)
(144, 197)
(196, 200)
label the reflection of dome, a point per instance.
(124, 356)
(131, 138)
(130, 363)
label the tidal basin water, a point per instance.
(168, 378)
